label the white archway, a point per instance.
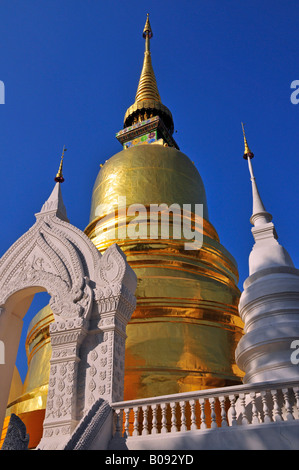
(92, 299)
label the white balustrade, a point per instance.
(255, 417)
(240, 405)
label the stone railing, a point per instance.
(251, 404)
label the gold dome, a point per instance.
(148, 174)
(184, 331)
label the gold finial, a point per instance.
(147, 86)
(247, 151)
(147, 31)
(59, 178)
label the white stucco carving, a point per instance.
(92, 299)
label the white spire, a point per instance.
(55, 204)
(269, 303)
(266, 252)
(259, 213)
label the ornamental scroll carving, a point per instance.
(115, 303)
(115, 282)
(36, 259)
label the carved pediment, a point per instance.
(55, 256)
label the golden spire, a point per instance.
(147, 87)
(59, 177)
(247, 151)
(147, 100)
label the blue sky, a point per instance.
(71, 69)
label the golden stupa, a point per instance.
(184, 331)
(28, 400)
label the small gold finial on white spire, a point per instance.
(59, 177)
(247, 151)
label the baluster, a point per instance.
(232, 400)
(203, 424)
(154, 420)
(173, 417)
(288, 407)
(243, 409)
(183, 416)
(135, 425)
(255, 418)
(118, 423)
(296, 392)
(164, 420)
(127, 423)
(276, 408)
(213, 414)
(145, 421)
(223, 412)
(267, 418)
(193, 415)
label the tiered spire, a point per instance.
(147, 100)
(147, 87)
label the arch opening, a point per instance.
(24, 323)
